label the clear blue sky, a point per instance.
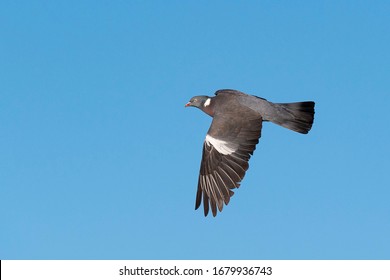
(99, 159)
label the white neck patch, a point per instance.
(221, 146)
(207, 102)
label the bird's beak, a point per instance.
(188, 104)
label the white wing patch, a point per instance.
(207, 102)
(221, 146)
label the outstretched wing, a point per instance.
(228, 146)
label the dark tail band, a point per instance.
(298, 116)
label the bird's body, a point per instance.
(232, 138)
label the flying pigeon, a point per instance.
(232, 138)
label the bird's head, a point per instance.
(200, 102)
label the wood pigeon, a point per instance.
(232, 138)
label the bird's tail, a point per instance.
(298, 116)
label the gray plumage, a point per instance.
(233, 136)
